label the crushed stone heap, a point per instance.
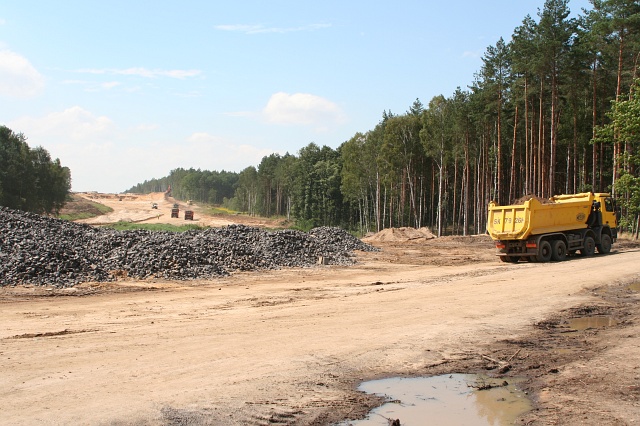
(43, 251)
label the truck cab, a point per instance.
(610, 213)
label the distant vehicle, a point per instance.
(154, 205)
(188, 215)
(175, 212)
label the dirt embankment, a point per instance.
(290, 346)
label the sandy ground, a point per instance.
(291, 346)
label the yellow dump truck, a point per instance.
(543, 230)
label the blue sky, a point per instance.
(125, 91)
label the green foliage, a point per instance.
(317, 198)
(220, 210)
(624, 128)
(629, 187)
(203, 186)
(29, 179)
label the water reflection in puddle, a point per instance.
(448, 400)
(598, 321)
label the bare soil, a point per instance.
(291, 346)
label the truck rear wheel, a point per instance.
(558, 250)
(544, 251)
(605, 244)
(589, 247)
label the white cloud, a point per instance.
(241, 114)
(262, 29)
(302, 108)
(90, 86)
(110, 84)
(153, 159)
(72, 124)
(219, 153)
(472, 54)
(103, 157)
(2, 21)
(146, 127)
(18, 78)
(143, 72)
(83, 141)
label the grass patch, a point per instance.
(213, 210)
(79, 208)
(77, 216)
(158, 227)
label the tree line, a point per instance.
(190, 184)
(552, 110)
(29, 179)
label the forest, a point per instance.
(552, 110)
(29, 179)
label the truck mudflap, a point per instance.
(514, 250)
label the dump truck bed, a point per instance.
(518, 222)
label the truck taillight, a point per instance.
(532, 245)
(501, 246)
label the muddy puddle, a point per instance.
(452, 399)
(596, 321)
(635, 286)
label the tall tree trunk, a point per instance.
(499, 189)
(617, 146)
(541, 168)
(440, 182)
(594, 123)
(575, 152)
(527, 162)
(455, 198)
(555, 114)
(466, 184)
(512, 178)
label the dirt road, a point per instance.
(290, 346)
(138, 208)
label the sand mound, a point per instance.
(401, 234)
(530, 197)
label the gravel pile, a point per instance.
(44, 251)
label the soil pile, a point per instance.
(401, 234)
(528, 197)
(44, 251)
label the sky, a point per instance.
(124, 91)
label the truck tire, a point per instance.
(558, 250)
(544, 251)
(589, 247)
(605, 244)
